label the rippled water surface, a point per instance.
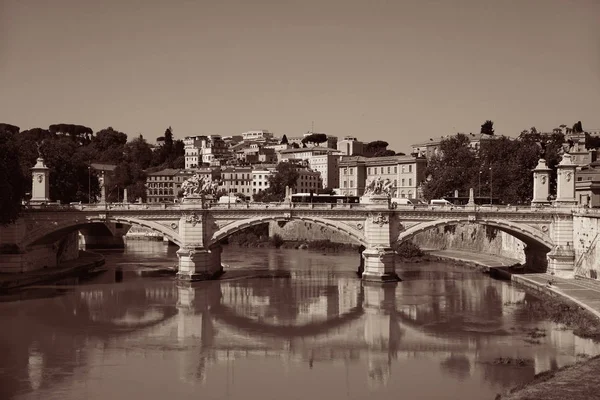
(320, 334)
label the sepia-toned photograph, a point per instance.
(299, 200)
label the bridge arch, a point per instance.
(53, 231)
(237, 226)
(528, 235)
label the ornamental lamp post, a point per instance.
(491, 185)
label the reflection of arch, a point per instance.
(50, 233)
(247, 223)
(229, 317)
(101, 328)
(527, 235)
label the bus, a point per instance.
(311, 198)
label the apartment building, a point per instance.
(260, 179)
(237, 180)
(203, 149)
(350, 146)
(260, 135)
(405, 172)
(163, 186)
(327, 165)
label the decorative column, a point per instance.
(541, 183)
(196, 262)
(102, 189)
(379, 258)
(40, 188)
(565, 182)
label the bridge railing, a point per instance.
(99, 207)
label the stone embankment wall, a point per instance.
(300, 230)
(586, 237)
(470, 237)
(41, 256)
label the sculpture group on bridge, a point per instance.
(377, 186)
(198, 186)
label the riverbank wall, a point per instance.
(42, 256)
(468, 237)
(85, 263)
(586, 238)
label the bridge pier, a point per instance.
(199, 263)
(379, 257)
(379, 265)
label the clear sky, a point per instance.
(399, 70)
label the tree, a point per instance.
(315, 138)
(286, 175)
(11, 177)
(79, 133)
(138, 151)
(453, 168)
(284, 140)
(69, 173)
(592, 142)
(376, 148)
(13, 129)
(108, 146)
(487, 128)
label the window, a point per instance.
(395, 170)
(403, 169)
(410, 168)
(402, 181)
(345, 184)
(409, 181)
(389, 168)
(351, 183)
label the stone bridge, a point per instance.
(198, 228)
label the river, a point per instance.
(444, 332)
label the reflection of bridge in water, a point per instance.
(326, 322)
(309, 321)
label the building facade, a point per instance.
(328, 166)
(405, 172)
(163, 186)
(260, 179)
(587, 185)
(237, 180)
(350, 146)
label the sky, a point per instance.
(402, 71)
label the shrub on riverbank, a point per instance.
(582, 322)
(408, 250)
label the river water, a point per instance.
(443, 333)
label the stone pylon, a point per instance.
(40, 187)
(541, 183)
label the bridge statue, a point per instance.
(197, 186)
(379, 187)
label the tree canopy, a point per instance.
(314, 138)
(11, 178)
(285, 175)
(487, 128)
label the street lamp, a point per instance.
(89, 184)
(491, 185)
(479, 190)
